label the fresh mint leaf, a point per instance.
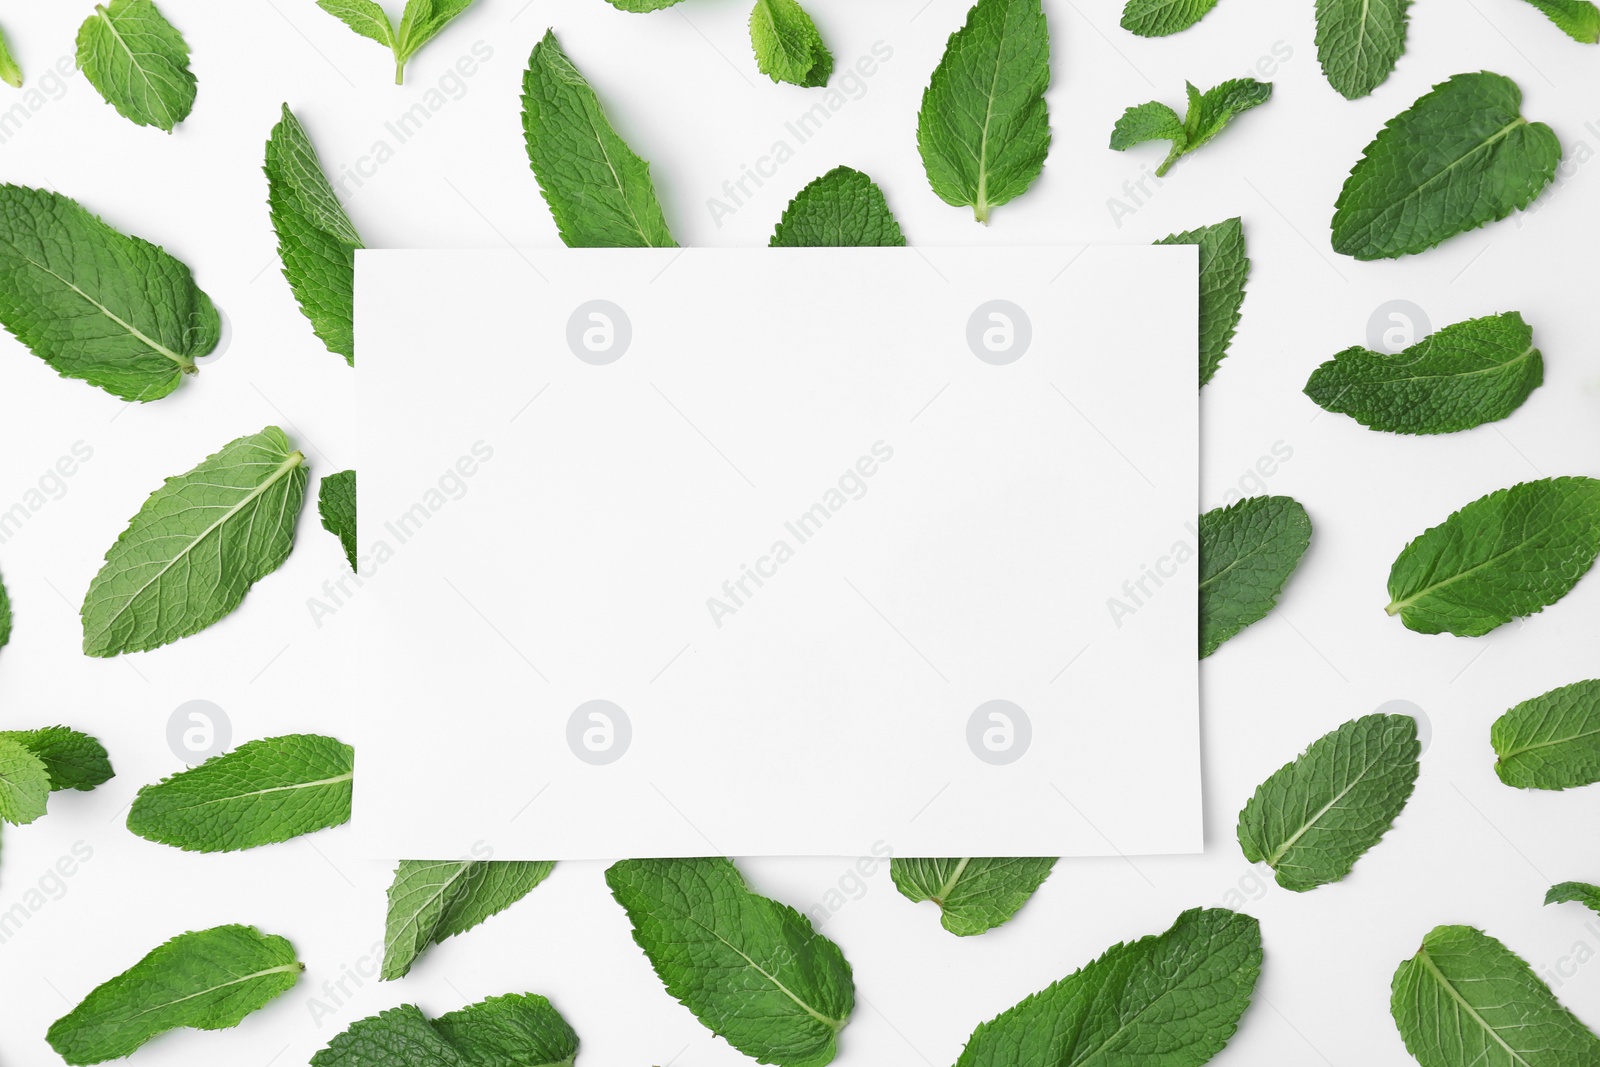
(974, 895)
(842, 209)
(752, 970)
(984, 127)
(1462, 376)
(72, 760)
(114, 311)
(788, 45)
(207, 979)
(1462, 156)
(197, 546)
(1551, 741)
(518, 1030)
(5, 615)
(1247, 553)
(1168, 1000)
(1359, 42)
(1466, 998)
(1578, 19)
(336, 504)
(260, 793)
(24, 783)
(1509, 554)
(433, 900)
(316, 240)
(598, 190)
(1574, 892)
(10, 73)
(641, 6)
(1224, 268)
(419, 24)
(1316, 816)
(1209, 112)
(1162, 18)
(365, 17)
(138, 61)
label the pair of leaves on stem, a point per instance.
(788, 46)
(1551, 741)
(138, 61)
(516, 1030)
(1208, 114)
(36, 763)
(419, 24)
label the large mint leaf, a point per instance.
(984, 127)
(197, 546)
(1168, 1000)
(1247, 553)
(1509, 554)
(113, 310)
(598, 190)
(1574, 892)
(517, 1030)
(1551, 741)
(843, 208)
(1462, 156)
(752, 970)
(209, 980)
(138, 61)
(973, 894)
(1359, 42)
(24, 783)
(1465, 998)
(336, 505)
(1315, 817)
(1578, 19)
(788, 46)
(1209, 113)
(72, 760)
(431, 900)
(1224, 268)
(1162, 18)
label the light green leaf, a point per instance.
(788, 45)
(640, 6)
(197, 546)
(1462, 156)
(336, 504)
(114, 311)
(1465, 375)
(263, 792)
(5, 616)
(422, 21)
(1247, 553)
(1578, 19)
(1209, 112)
(364, 16)
(1162, 18)
(208, 980)
(432, 900)
(72, 760)
(598, 190)
(518, 1030)
(1579, 892)
(1224, 268)
(24, 783)
(752, 970)
(1168, 1000)
(138, 61)
(10, 73)
(1359, 42)
(1316, 816)
(1465, 998)
(1509, 554)
(1151, 121)
(974, 895)
(1551, 741)
(843, 208)
(984, 127)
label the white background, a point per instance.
(681, 88)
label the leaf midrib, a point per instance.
(1449, 987)
(232, 797)
(133, 58)
(835, 1025)
(441, 888)
(287, 968)
(1305, 828)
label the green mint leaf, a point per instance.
(1461, 157)
(598, 190)
(399, 1037)
(974, 895)
(1578, 19)
(263, 792)
(24, 783)
(752, 970)
(207, 979)
(842, 209)
(1509, 554)
(316, 240)
(363, 16)
(10, 73)
(1209, 112)
(643, 5)
(1578, 892)
(336, 504)
(1359, 42)
(984, 127)
(1224, 268)
(432, 900)
(1551, 741)
(1152, 121)
(114, 311)
(1466, 998)
(139, 62)
(1168, 1000)
(197, 546)
(1247, 553)
(1316, 816)
(1162, 18)
(788, 46)
(72, 760)
(421, 22)
(5, 615)
(518, 1030)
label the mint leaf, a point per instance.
(1162, 18)
(197, 546)
(598, 190)
(1168, 1000)
(316, 240)
(1209, 112)
(260, 793)
(643, 5)
(1551, 741)
(421, 22)
(1509, 554)
(432, 900)
(1466, 998)
(1462, 376)
(10, 73)
(24, 783)
(5, 615)
(114, 311)
(1578, 19)
(1579, 892)
(974, 895)
(336, 504)
(984, 127)
(1359, 42)
(365, 17)
(1462, 156)
(1316, 816)
(518, 1030)
(842, 209)
(1224, 268)
(752, 970)
(208, 979)
(1247, 553)
(138, 61)
(72, 760)
(788, 45)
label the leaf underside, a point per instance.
(974, 895)
(138, 62)
(430, 901)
